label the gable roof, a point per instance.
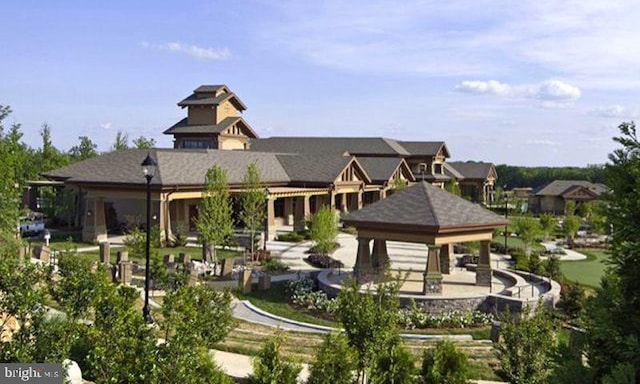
(423, 205)
(451, 171)
(381, 169)
(316, 168)
(175, 167)
(331, 145)
(183, 127)
(473, 169)
(560, 187)
(194, 99)
(210, 88)
(425, 148)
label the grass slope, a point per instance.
(587, 272)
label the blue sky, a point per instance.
(523, 83)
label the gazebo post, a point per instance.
(432, 276)
(379, 258)
(363, 270)
(483, 270)
(446, 252)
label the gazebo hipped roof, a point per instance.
(423, 212)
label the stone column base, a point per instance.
(483, 275)
(432, 283)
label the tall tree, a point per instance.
(613, 313)
(143, 143)
(253, 202)
(121, 142)
(48, 157)
(86, 149)
(215, 223)
(9, 184)
(548, 224)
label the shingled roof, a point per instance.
(425, 206)
(380, 169)
(175, 167)
(425, 148)
(315, 168)
(472, 169)
(560, 187)
(331, 145)
(183, 126)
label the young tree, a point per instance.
(143, 143)
(269, 368)
(570, 227)
(86, 149)
(214, 222)
(324, 229)
(369, 320)
(444, 364)
(334, 363)
(453, 187)
(253, 202)
(121, 142)
(526, 347)
(548, 224)
(570, 208)
(528, 229)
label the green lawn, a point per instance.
(587, 272)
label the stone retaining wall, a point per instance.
(494, 303)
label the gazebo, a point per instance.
(423, 214)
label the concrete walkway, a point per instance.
(570, 254)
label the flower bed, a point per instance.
(324, 261)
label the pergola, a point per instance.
(423, 214)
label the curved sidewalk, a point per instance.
(244, 310)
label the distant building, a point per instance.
(553, 197)
(476, 179)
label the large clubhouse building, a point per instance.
(300, 174)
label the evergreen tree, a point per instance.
(269, 368)
(143, 143)
(121, 142)
(86, 149)
(334, 362)
(444, 364)
(324, 229)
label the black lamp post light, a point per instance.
(149, 166)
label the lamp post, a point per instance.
(506, 216)
(149, 166)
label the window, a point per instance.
(437, 169)
(196, 144)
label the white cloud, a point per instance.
(106, 125)
(556, 91)
(192, 50)
(484, 87)
(549, 94)
(588, 42)
(611, 111)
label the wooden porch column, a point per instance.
(288, 210)
(360, 199)
(94, 228)
(332, 200)
(483, 270)
(344, 203)
(380, 258)
(382, 194)
(302, 210)
(432, 277)
(446, 254)
(271, 219)
(363, 270)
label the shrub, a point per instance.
(572, 300)
(329, 248)
(269, 368)
(444, 364)
(179, 236)
(290, 237)
(394, 365)
(334, 362)
(324, 261)
(273, 265)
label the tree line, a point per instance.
(520, 177)
(26, 163)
